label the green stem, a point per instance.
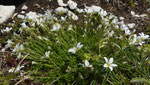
(106, 77)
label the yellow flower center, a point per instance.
(108, 64)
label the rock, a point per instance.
(121, 18)
(61, 3)
(148, 10)
(37, 5)
(132, 13)
(6, 12)
(144, 15)
(72, 4)
(14, 15)
(24, 7)
(131, 25)
(136, 15)
(20, 16)
(23, 12)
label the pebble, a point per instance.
(61, 3)
(121, 18)
(144, 15)
(131, 25)
(24, 7)
(23, 12)
(72, 4)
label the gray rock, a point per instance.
(6, 12)
(24, 7)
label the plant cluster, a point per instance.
(96, 49)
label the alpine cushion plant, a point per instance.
(73, 52)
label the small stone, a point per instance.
(121, 18)
(20, 16)
(23, 12)
(132, 13)
(24, 7)
(61, 3)
(143, 15)
(148, 10)
(14, 15)
(131, 25)
(37, 5)
(136, 15)
(6, 12)
(72, 4)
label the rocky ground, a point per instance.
(120, 8)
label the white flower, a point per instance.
(19, 55)
(9, 42)
(61, 9)
(7, 29)
(47, 54)
(24, 25)
(33, 62)
(143, 36)
(109, 64)
(72, 4)
(32, 15)
(135, 40)
(56, 27)
(39, 37)
(61, 3)
(87, 64)
(93, 9)
(15, 70)
(96, 8)
(70, 27)
(18, 47)
(127, 32)
(63, 18)
(111, 33)
(74, 49)
(79, 10)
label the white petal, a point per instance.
(105, 65)
(90, 66)
(72, 50)
(111, 60)
(106, 59)
(111, 68)
(114, 65)
(80, 46)
(86, 63)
